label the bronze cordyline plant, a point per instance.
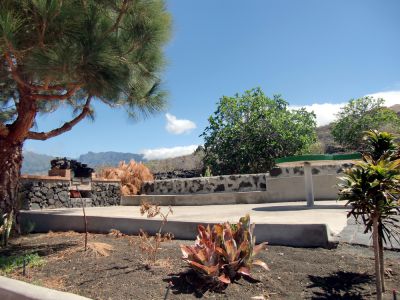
(224, 252)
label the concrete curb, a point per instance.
(253, 197)
(297, 235)
(11, 289)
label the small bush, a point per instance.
(151, 245)
(9, 264)
(224, 252)
(131, 174)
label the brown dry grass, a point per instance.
(131, 174)
(100, 249)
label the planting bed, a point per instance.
(296, 273)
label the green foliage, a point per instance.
(207, 172)
(248, 132)
(224, 252)
(372, 187)
(360, 115)
(380, 144)
(316, 148)
(108, 49)
(9, 264)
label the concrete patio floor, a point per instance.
(288, 223)
(332, 213)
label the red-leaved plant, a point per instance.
(225, 251)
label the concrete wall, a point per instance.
(202, 185)
(37, 192)
(11, 289)
(292, 188)
(295, 235)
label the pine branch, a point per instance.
(65, 96)
(122, 11)
(65, 127)
(14, 72)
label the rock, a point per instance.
(34, 206)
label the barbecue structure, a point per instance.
(80, 175)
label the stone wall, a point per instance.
(202, 185)
(238, 183)
(37, 192)
(106, 193)
(316, 170)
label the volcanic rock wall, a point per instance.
(37, 192)
(202, 185)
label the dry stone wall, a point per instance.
(35, 193)
(233, 183)
(316, 170)
(38, 192)
(203, 185)
(106, 193)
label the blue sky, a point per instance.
(314, 53)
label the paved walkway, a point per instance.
(289, 219)
(353, 233)
(331, 213)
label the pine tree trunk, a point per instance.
(10, 171)
(381, 258)
(375, 238)
(11, 154)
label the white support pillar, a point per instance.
(308, 180)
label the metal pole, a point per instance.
(309, 186)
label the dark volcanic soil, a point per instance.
(296, 273)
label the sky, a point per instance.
(316, 54)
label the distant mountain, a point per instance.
(396, 108)
(39, 164)
(36, 164)
(109, 158)
(186, 162)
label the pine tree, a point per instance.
(73, 53)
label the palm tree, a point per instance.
(70, 53)
(372, 188)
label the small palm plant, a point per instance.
(372, 189)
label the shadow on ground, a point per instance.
(188, 283)
(297, 207)
(340, 285)
(40, 249)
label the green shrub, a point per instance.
(9, 263)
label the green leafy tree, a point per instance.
(71, 53)
(360, 115)
(372, 189)
(248, 132)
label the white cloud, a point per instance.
(391, 97)
(178, 126)
(326, 112)
(162, 153)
